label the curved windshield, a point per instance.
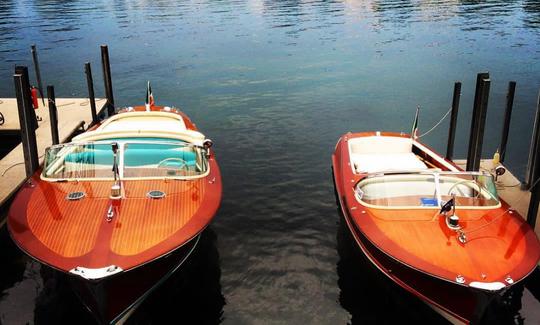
(135, 159)
(428, 190)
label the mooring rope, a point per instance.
(16, 164)
(503, 213)
(86, 102)
(436, 125)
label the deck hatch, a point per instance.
(156, 194)
(73, 196)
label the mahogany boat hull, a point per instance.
(119, 237)
(113, 299)
(420, 254)
(457, 304)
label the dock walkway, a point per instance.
(73, 113)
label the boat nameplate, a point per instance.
(74, 196)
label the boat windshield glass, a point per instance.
(428, 190)
(144, 159)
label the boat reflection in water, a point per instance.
(368, 295)
(192, 294)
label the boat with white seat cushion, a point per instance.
(441, 233)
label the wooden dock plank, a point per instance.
(71, 113)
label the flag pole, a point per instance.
(148, 94)
(414, 129)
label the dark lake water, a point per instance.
(274, 84)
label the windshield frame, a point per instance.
(123, 146)
(438, 175)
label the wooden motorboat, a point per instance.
(120, 207)
(441, 233)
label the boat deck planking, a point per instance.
(509, 189)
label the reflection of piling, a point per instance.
(533, 170)
(107, 79)
(453, 121)
(53, 114)
(91, 95)
(38, 73)
(478, 121)
(507, 116)
(27, 119)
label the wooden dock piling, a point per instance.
(507, 117)
(53, 115)
(91, 96)
(107, 79)
(478, 123)
(38, 72)
(453, 121)
(534, 169)
(27, 120)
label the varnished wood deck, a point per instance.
(509, 189)
(498, 243)
(71, 113)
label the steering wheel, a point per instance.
(464, 182)
(167, 162)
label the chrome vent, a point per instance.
(73, 196)
(156, 194)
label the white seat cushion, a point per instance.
(380, 145)
(370, 163)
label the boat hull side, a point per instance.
(113, 299)
(458, 303)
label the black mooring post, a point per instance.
(91, 96)
(453, 121)
(507, 116)
(26, 119)
(53, 114)
(534, 169)
(531, 174)
(23, 71)
(38, 73)
(107, 79)
(478, 123)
